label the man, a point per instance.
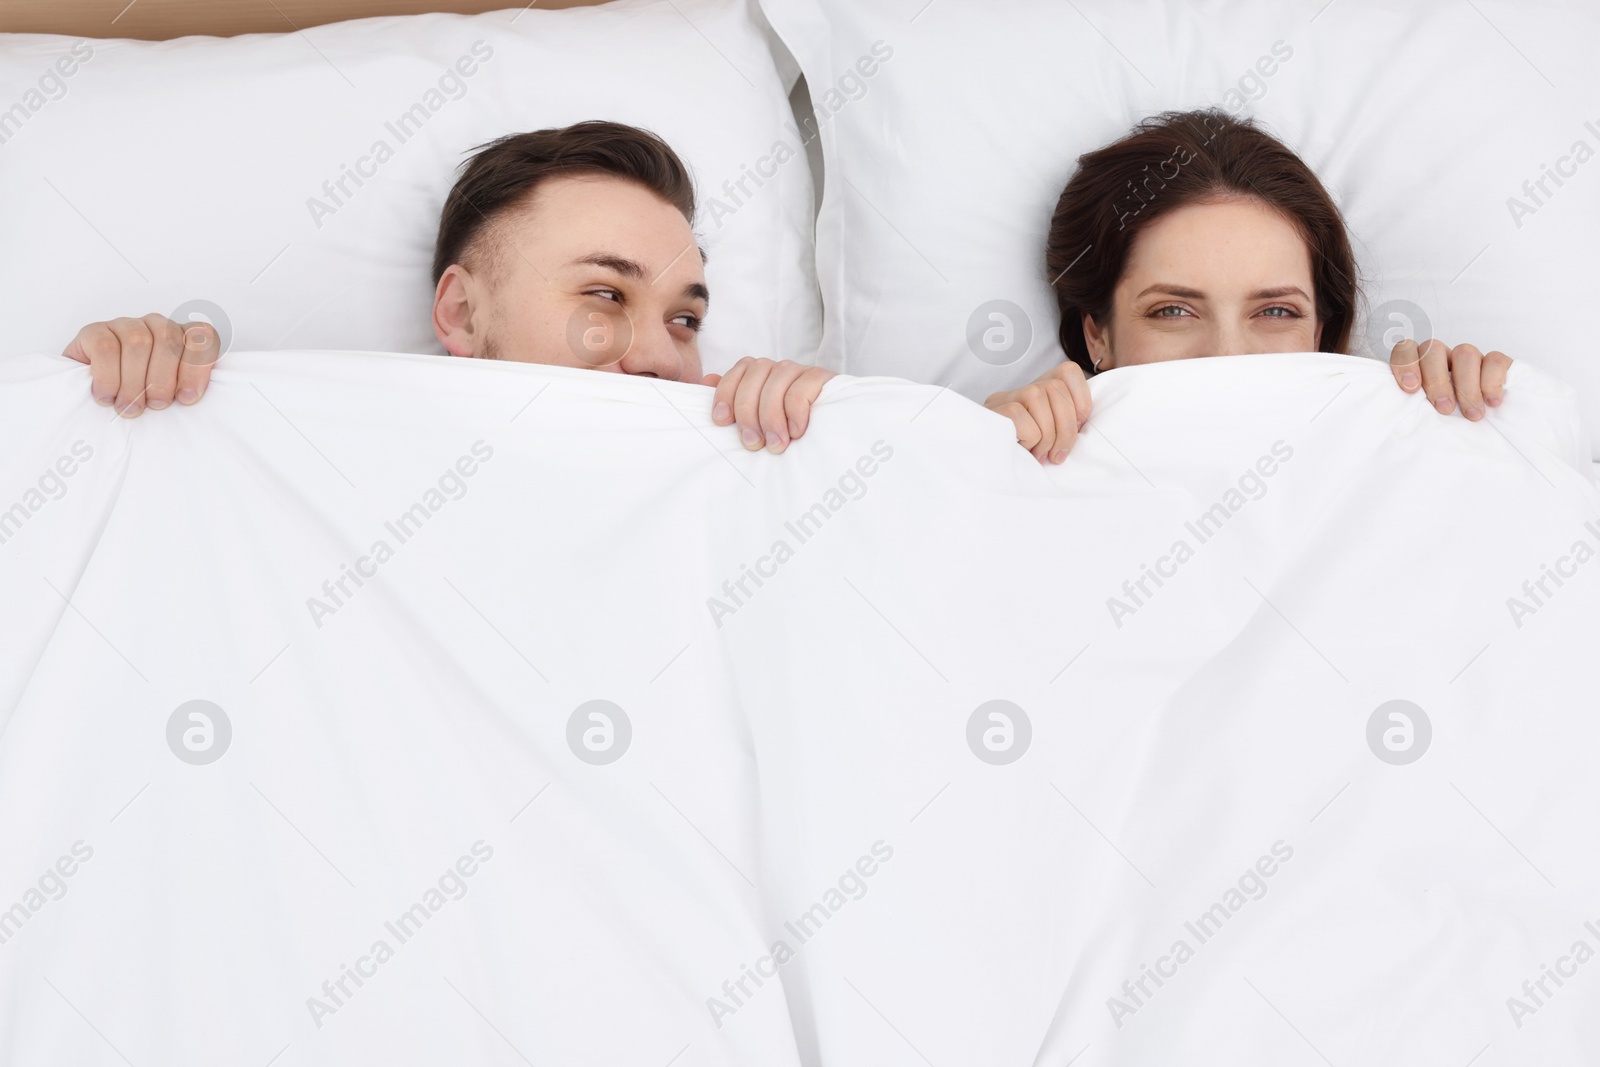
(567, 247)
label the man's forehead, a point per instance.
(580, 216)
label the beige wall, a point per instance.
(161, 19)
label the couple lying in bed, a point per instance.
(1195, 235)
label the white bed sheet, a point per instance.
(810, 759)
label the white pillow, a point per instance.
(1424, 120)
(141, 176)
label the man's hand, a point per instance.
(148, 362)
(1048, 412)
(1450, 376)
(771, 401)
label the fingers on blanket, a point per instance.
(146, 362)
(769, 400)
(118, 353)
(1430, 360)
(1043, 415)
(1462, 375)
(88, 347)
(1036, 398)
(1405, 362)
(1048, 412)
(738, 397)
(772, 406)
(799, 396)
(161, 367)
(1466, 371)
(1078, 387)
(1495, 367)
(202, 347)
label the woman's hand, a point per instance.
(770, 400)
(1462, 375)
(1048, 412)
(147, 362)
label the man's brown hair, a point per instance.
(1178, 158)
(504, 173)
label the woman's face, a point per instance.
(1216, 278)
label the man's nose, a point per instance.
(653, 352)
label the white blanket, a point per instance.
(398, 829)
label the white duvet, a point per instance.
(404, 710)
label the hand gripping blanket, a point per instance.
(403, 710)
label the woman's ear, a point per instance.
(1099, 342)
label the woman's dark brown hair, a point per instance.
(505, 172)
(1174, 159)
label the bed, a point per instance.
(390, 707)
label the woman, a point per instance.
(1200, 235)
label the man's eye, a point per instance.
(608, 294)
(691, 322)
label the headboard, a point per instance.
(157, 20)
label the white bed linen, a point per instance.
(790, 733)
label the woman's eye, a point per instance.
(1170, 311)
(1281, 313)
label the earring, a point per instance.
(1095, 363)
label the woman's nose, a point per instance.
(1228, 339)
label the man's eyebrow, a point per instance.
(611, 261)
(632, 269)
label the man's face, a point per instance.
(592, 271)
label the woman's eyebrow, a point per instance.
(1282, 290)
(1173, 290)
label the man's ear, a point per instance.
(1099, 342)
(453, 301)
